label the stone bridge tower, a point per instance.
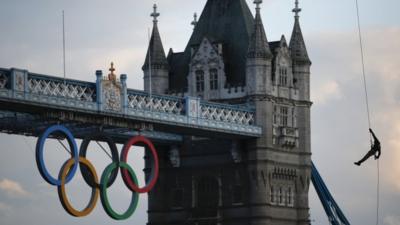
(263, 181)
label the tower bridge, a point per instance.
(109, 104)
(229, 116)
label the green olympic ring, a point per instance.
(103, 191)
(89, 174)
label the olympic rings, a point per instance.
(61, 189)
(104, 199)
(89, 174)
(154, 168)
(114, 154)
(39, 154)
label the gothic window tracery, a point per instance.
(290, 197)
(283, 76)
(283, 116)
(272, 195)
(280, 196)
(294, 118)
(199, 80)
(213, 79)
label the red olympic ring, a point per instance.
(154, 169)
(69, 168)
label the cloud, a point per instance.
(325, 92)
(13, 188)
(340, 128)
(392, 220)
(4, 207)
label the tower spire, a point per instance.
(155, 66)
(258, 46)
(155, 14)
(297, 45)
(296, 9)
(194, 22)
(156, 49)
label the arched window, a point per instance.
(283, 116)
(290, 197)
(272, 195)
(280, 196)
(283, 78)
(199, 80)
(214, 79)
(275, 116)
(294, 118)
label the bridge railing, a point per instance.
(113, 96)
(63, 88)
(227, 113)
(5, 79)
(140, 100)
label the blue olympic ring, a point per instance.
(70, 167)
(39, 154)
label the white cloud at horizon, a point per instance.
(13, 188)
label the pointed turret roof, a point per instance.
(297, 45)
(156, 50)
(229, 22)
(259, 47)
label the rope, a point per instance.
(28, 145)
(377, 192)
(104, 150)
(368, 108)
(363, 64)
(66, 149)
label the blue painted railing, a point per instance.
(5, 79)
(113, 96)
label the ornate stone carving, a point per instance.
(193, 108)
(174, 157)
(112, 95)
(3, 80)
(112, 92)
(19, 81)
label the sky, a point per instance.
(100, 31)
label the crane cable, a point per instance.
(367, 106)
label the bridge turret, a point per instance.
(259, 58)
(300, 58)
(155, 67)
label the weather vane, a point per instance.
(296, 10)
(258, 3)
(194, 23)
(155, 14)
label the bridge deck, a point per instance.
(111, 103)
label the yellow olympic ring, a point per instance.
(62, 193)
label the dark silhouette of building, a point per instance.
(263, 181)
